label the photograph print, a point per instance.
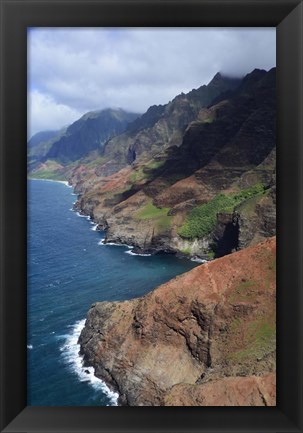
(151, 216)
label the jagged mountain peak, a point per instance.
(116, 112)
(89, 133)
(220, 79)
(185, 105)
(217, 77)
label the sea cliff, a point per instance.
(206, 337)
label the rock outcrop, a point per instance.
(230, 391)
(206, 337)
(146, 186)
(87, 134)
(226, 148)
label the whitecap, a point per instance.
(113, 244)
(80, 215)
(70, 353)
(137, 254)
(29, 346)
(53, 180)
(198, 260)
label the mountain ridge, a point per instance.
(147, 186)
(228, 149)
(195, 177)
(89, 133)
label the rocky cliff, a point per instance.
(164, 126)
(85, 135)
(207, 193)
(206, 337)
(194, 177)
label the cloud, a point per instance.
(45, 114)
(78, 70)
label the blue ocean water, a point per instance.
(68, 270)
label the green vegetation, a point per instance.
(236, 324)
(211, 255)
(47, 174)
(202, 219)
(49, 170)
(259, 338)
(244, 292)
(158, 215)
(248, 206)
(137, 175)
(273, 265)
(97, 162)
(186, 251)
(271, 273)
(154, 165)
(164, 222)
(209, 120)
(145, 171)
(151, 211)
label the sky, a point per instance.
(75, 70)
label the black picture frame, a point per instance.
(16, 16)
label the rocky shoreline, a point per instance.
(206, 337)
(251, 227)
(195, 177)
(223, 157)
(157, 246)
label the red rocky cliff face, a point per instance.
(206, 337)
(230, 391)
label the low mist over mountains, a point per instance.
(147, 179)
(88, 133)
(195, 177)
(94, 129)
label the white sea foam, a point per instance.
(65, 183)
(198, 260)
(29, 346)
(113, 244)
(70, 353)
(137, 254)
(94, 228)
(80, 215)
(52, 180)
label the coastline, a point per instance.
(80, 357)
(110, 388)
(71, 353)
(65, 182)
(191, 320)
(134, 250)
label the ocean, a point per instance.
(68, 270)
